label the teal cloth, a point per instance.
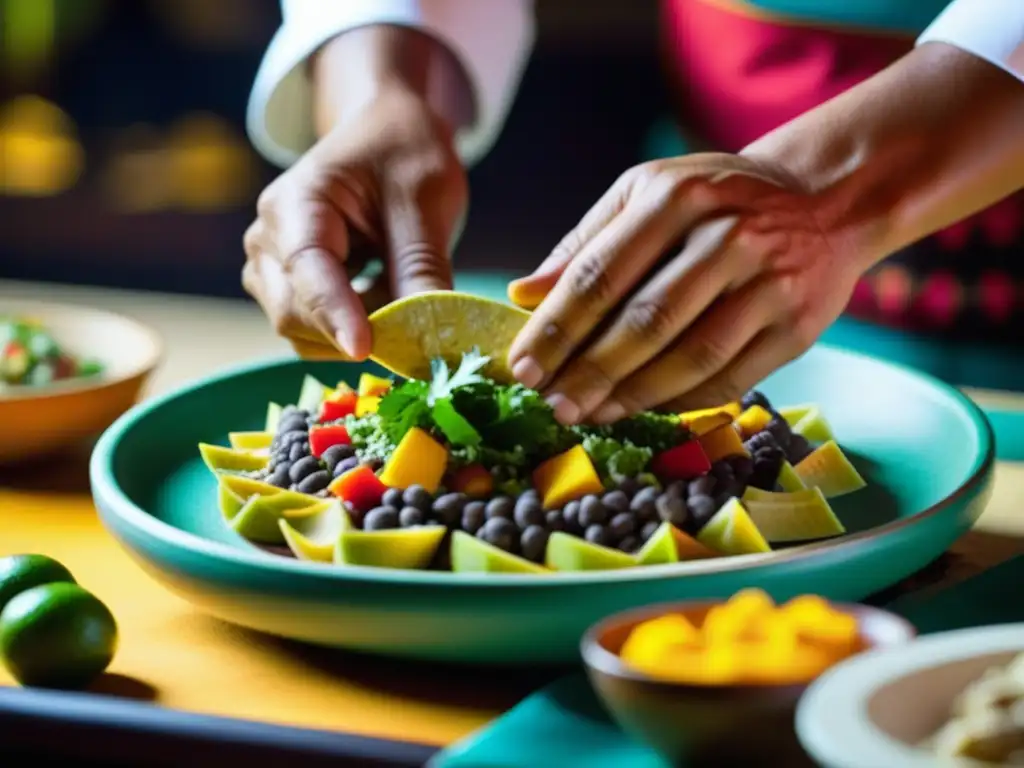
(564, 725)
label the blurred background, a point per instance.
(124, 161)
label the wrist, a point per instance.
(366, 65)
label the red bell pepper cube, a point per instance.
(322, 438)
(339, 405)
(360, 487)
(684, 462)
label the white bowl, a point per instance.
(873, 710)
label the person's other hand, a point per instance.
(386, 182)
(627, 319)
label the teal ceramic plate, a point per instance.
(926, 450)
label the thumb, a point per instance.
(418, 249)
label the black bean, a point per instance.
(448, 509)
(722, 471)
(554, 521)
(780, 430)
(534, 543)
(676, 489)
(336, 453)
(392, 498)
(292, 424)
(345, 465)
(314, 482)
(630, 544)
(381, 519)
(672, 509)
(303, 467)
(472, 516)
(501, 506)
(753, 397)
(742, 466)
(592, 511)
(373, 463)
(418, 496)
(500, 532)
(528, 511)
(760, 440)
(799, 448)
(702, 485)
(701, 507)
(616, 501)
(297, 451)
(729, 490)
(643, 504)
(630, 486)
(279, 476)
(410, 516)
(530, 494)
(649, 530)
(596, 534)
(571, 516)
(623, 524)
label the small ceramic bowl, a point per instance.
(38, 420)
(878, 709)
(730, 725)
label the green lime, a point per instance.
(21, 572)
(57, 636)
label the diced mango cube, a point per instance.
(651, 640)
(752, 420)
(722, 442)
(731, 409)
(373, 385)
(418, 460)
(566, 477)
(706, 424)
(367, 404)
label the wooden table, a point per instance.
(249, 676)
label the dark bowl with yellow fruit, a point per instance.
(696, 699)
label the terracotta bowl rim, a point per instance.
(601, 660)
(155, 355)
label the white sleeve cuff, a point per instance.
(992, 30)
(491, 39)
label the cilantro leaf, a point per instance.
(453, 425)
(443, 383)
(403, 407)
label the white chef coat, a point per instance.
(492, 39)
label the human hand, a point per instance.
(619, 328)
(386, 181)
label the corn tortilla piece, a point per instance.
(410, 332)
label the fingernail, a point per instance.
(611, 411)
(527, 372)
(566, 411)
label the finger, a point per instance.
(768, 352)
(603, 273)
(418, 239)
(309, 350)
(706, 348)
(312, 243)
(529, 291)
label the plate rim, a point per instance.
(830, 719)
(112, 501)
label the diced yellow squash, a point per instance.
(722, 442)
(705, 424)
(730, 409)
(367, 404)
(565, 477)
(373, 385)
(753, 420)
(418, 460)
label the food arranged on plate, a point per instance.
(464, 473)
(30, 355)
(747, 640)
(53, 633)
(987, 721)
